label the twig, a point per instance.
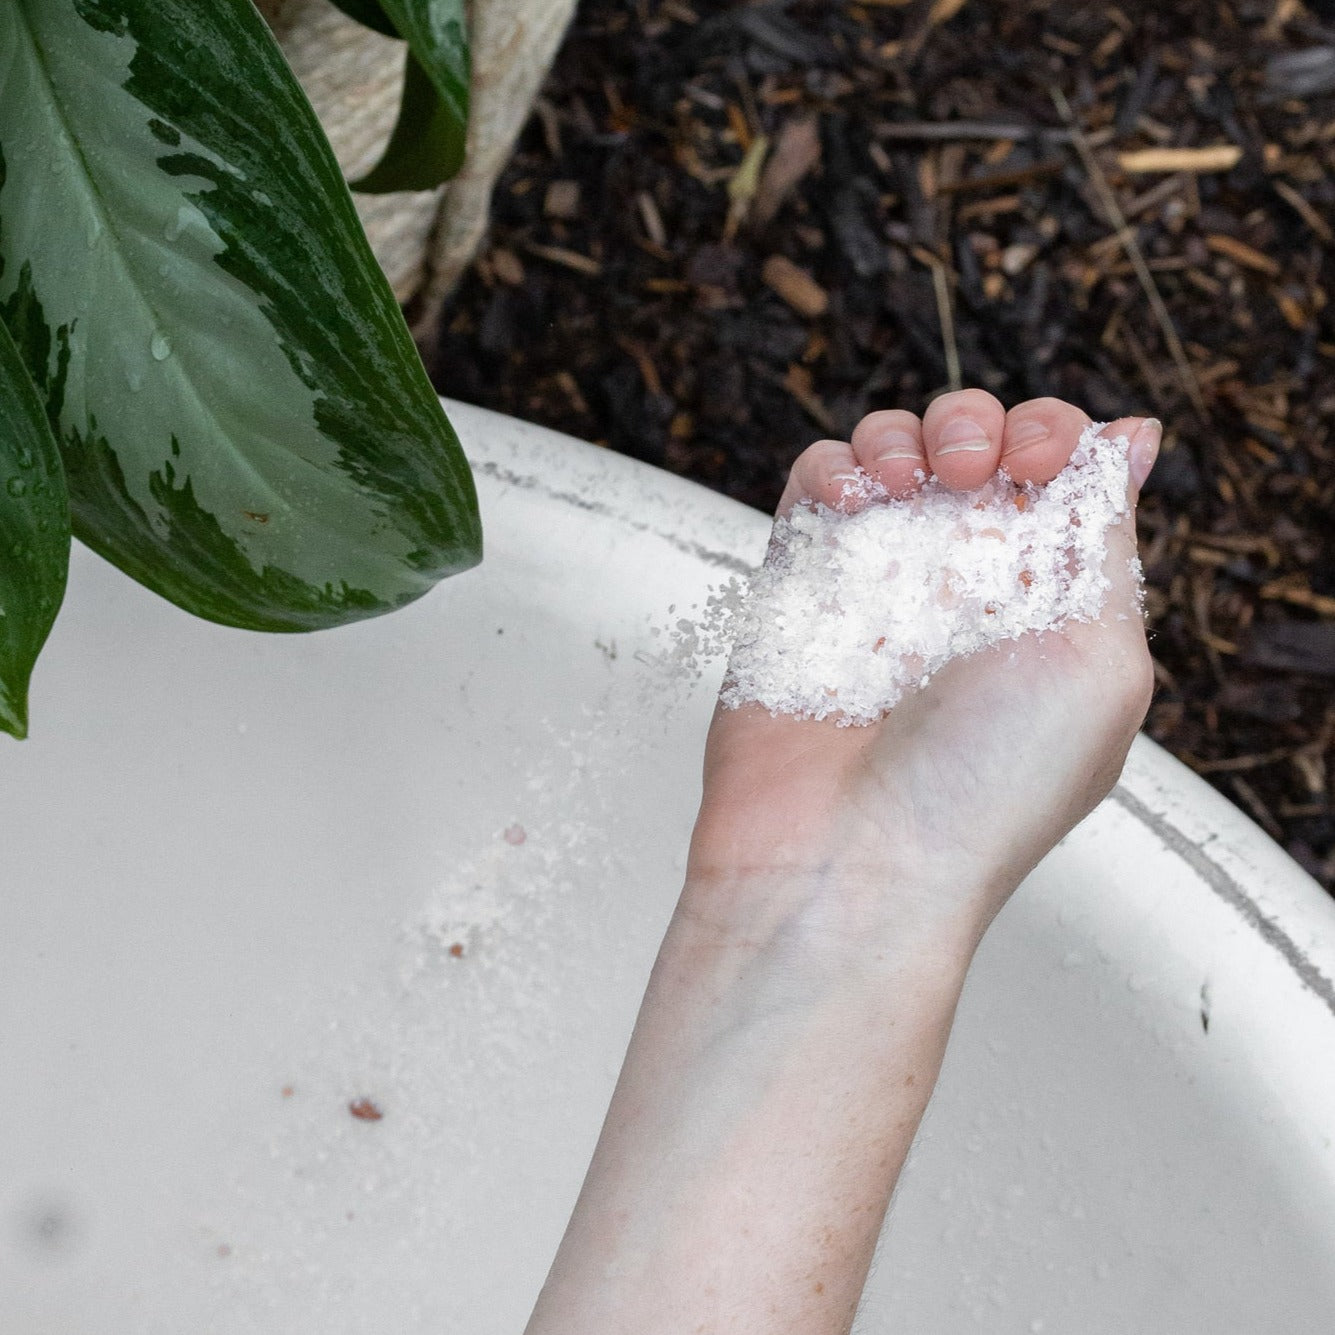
(1004, 180)
(1132, 247)
(952, 130)
(1148, 372)
(1260, 812)
(798, 383)
(1304, 210)
(1282, 591)
(946, 314)
(1237, 764)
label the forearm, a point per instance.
(774, 1081)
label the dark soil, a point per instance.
(910, 160)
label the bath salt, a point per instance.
(852, 610)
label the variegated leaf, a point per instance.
(34, 534)
(369, 13)
(427, 145)
(245, 423)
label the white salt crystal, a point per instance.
(851, 611)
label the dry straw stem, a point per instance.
(946, 314)
(1127, 237)
(1215, 158)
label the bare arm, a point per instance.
(773, 1084)
(839, 882)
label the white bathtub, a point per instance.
(234, 867)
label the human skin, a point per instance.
(838, 884)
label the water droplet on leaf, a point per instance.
(160, 346)
(187, 216)
(16, 486)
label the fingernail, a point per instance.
(1144, 450)
(962, 436)
(896, 444)
(1027, 433)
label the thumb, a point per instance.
(1144, 435)
(1122, 566)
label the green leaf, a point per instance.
(34, 534)
(245, 423)
(369, 14)
(427, 145)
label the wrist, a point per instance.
(864, 922)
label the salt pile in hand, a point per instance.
(850, 611)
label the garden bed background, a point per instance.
(729, 229)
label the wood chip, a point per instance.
(796, 153)
(1241, 253)
(1017, 258)
(570, 388)
(796, 286)
(944, 10)
(507, 266)
(651, 218)
(1215, 158)
(569, 259)
(562, 200)
(550, 120)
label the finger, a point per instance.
(889, 446)
(963, 434)
(820, 473)
(1039, 438)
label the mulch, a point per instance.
(732, 228)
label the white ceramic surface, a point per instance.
(234, 867)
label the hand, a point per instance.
(965, 785)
